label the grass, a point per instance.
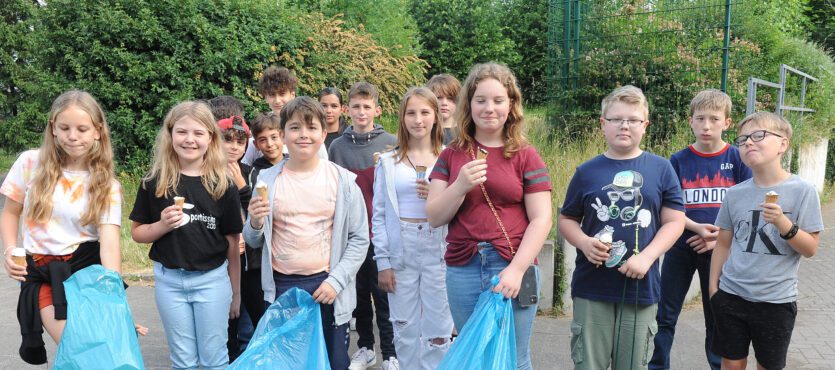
(6, 160)
(135, 259)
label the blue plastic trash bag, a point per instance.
(288, 337)
(488, 339)
(100, 333)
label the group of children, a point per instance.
(732, 213)
(412, 227)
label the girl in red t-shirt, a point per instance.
(497, 223)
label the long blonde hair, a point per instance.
(52, 157)
(437, 133)
(513, 132)
(166, 166)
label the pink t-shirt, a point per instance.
(508, 180)
(303, 211)
(63, 232)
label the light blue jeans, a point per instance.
(464, 285)
(194, 308)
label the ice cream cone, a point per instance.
(179, 202)
(19, 256)
(605, 238)
(261, 188)
(421, 172)
(481, 154)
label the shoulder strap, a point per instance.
(493, 209)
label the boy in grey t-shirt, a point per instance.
(766, 224)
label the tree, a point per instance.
(455, 34)
(822, 15)
(15, 29)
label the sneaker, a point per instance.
(363, 358)
(390, 364)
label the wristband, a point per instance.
(791, 233)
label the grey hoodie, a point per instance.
(349, 241)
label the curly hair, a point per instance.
(277, 81)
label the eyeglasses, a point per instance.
(754, 136)
(629, 122)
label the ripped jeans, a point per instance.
(418, 308)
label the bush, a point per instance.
(139, 58)
(385, 20)
(455, 34)
(15, 20)
(334, 56)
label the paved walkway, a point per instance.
(812, 347)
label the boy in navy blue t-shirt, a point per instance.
(706, 169)
(623, 210)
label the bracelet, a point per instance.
(791, 233)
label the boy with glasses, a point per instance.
(765, 224)
(705, 169)
(623, 209)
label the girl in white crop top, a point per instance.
(409, 253)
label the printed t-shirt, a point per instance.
(624, 198)
(762, 267)
(303, 211)
(200, 244)
(63, 232)
(705, 179)
(508, 180)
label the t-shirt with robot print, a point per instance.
(621, 198)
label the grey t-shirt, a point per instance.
(762, 267)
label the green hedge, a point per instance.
(139, 58)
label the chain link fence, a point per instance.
(671, 49)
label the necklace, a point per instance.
(420, 171)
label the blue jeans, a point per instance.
(676, 273)
(194, 308)
(336, 336)
(465, 284)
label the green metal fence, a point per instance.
(669, 48)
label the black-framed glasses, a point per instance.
(629, 122)
(755, 136)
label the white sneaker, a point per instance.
(363, 358)
(390, 364)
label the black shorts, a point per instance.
(768, 326)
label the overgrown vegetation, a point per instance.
(138, 58)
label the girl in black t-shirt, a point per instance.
(189, 210)
(331, 100)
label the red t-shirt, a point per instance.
(508, 180)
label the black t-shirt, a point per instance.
(330, 138)
(200, 244)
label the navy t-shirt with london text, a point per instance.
(200, 244)
(624, 198)
(705, 179)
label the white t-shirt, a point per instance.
(63, 233)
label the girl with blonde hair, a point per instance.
(71, 209)
(189, 209)
(407, 250)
